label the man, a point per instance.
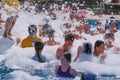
(27, 42)
(68, 42)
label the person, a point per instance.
(114, 27)
(10, 22)
(27, 42)
(88, 76)
(46, 29)
(50, 31)
(68, 42)
(84, 52)
(99, 48)
(12, 3)
(109, 40)
(100, 27)
(65, 70)
(38, 49)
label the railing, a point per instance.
(112, 8)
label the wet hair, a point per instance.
(108, 35)
(67, 56)
(87, 47)
(69, 37)
(98, 43)
(88, 76)
(38, 46)
(32, 28)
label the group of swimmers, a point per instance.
(84, 51)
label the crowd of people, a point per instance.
(73, 26)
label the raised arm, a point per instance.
(78, 53)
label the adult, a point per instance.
(84, 52)
(114, 27)
(109, 40)
(68, 42)
(27, 42)
(99, 48)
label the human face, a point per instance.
(63, 60)
(100, 49)
(68, 44)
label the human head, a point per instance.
(109, 36)
(99, 47)
(87, 47)
(114, 23)
(88, 76)
(38, 46)
(69, 39)
(65, 58)
(32, 29)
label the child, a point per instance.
(38, 49)
(65, 70)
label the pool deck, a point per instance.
(117, 17)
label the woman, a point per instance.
(38, 49)
(84, 52)
(114, 27)
(99, 48)
(65, 70)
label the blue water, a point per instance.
(46, 74)
(92, 23)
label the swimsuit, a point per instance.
(60, 73)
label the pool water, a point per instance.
(92, 23)
(44, 74)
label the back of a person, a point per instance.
(87, 52)
(27, 42)
(84, 57)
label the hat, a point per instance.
(69, 37)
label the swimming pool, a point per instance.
(42, 74)
(92, 22)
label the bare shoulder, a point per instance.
(57, 67)
(60, 48)
(79, 47)
(73, 72)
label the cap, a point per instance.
(69, 37)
